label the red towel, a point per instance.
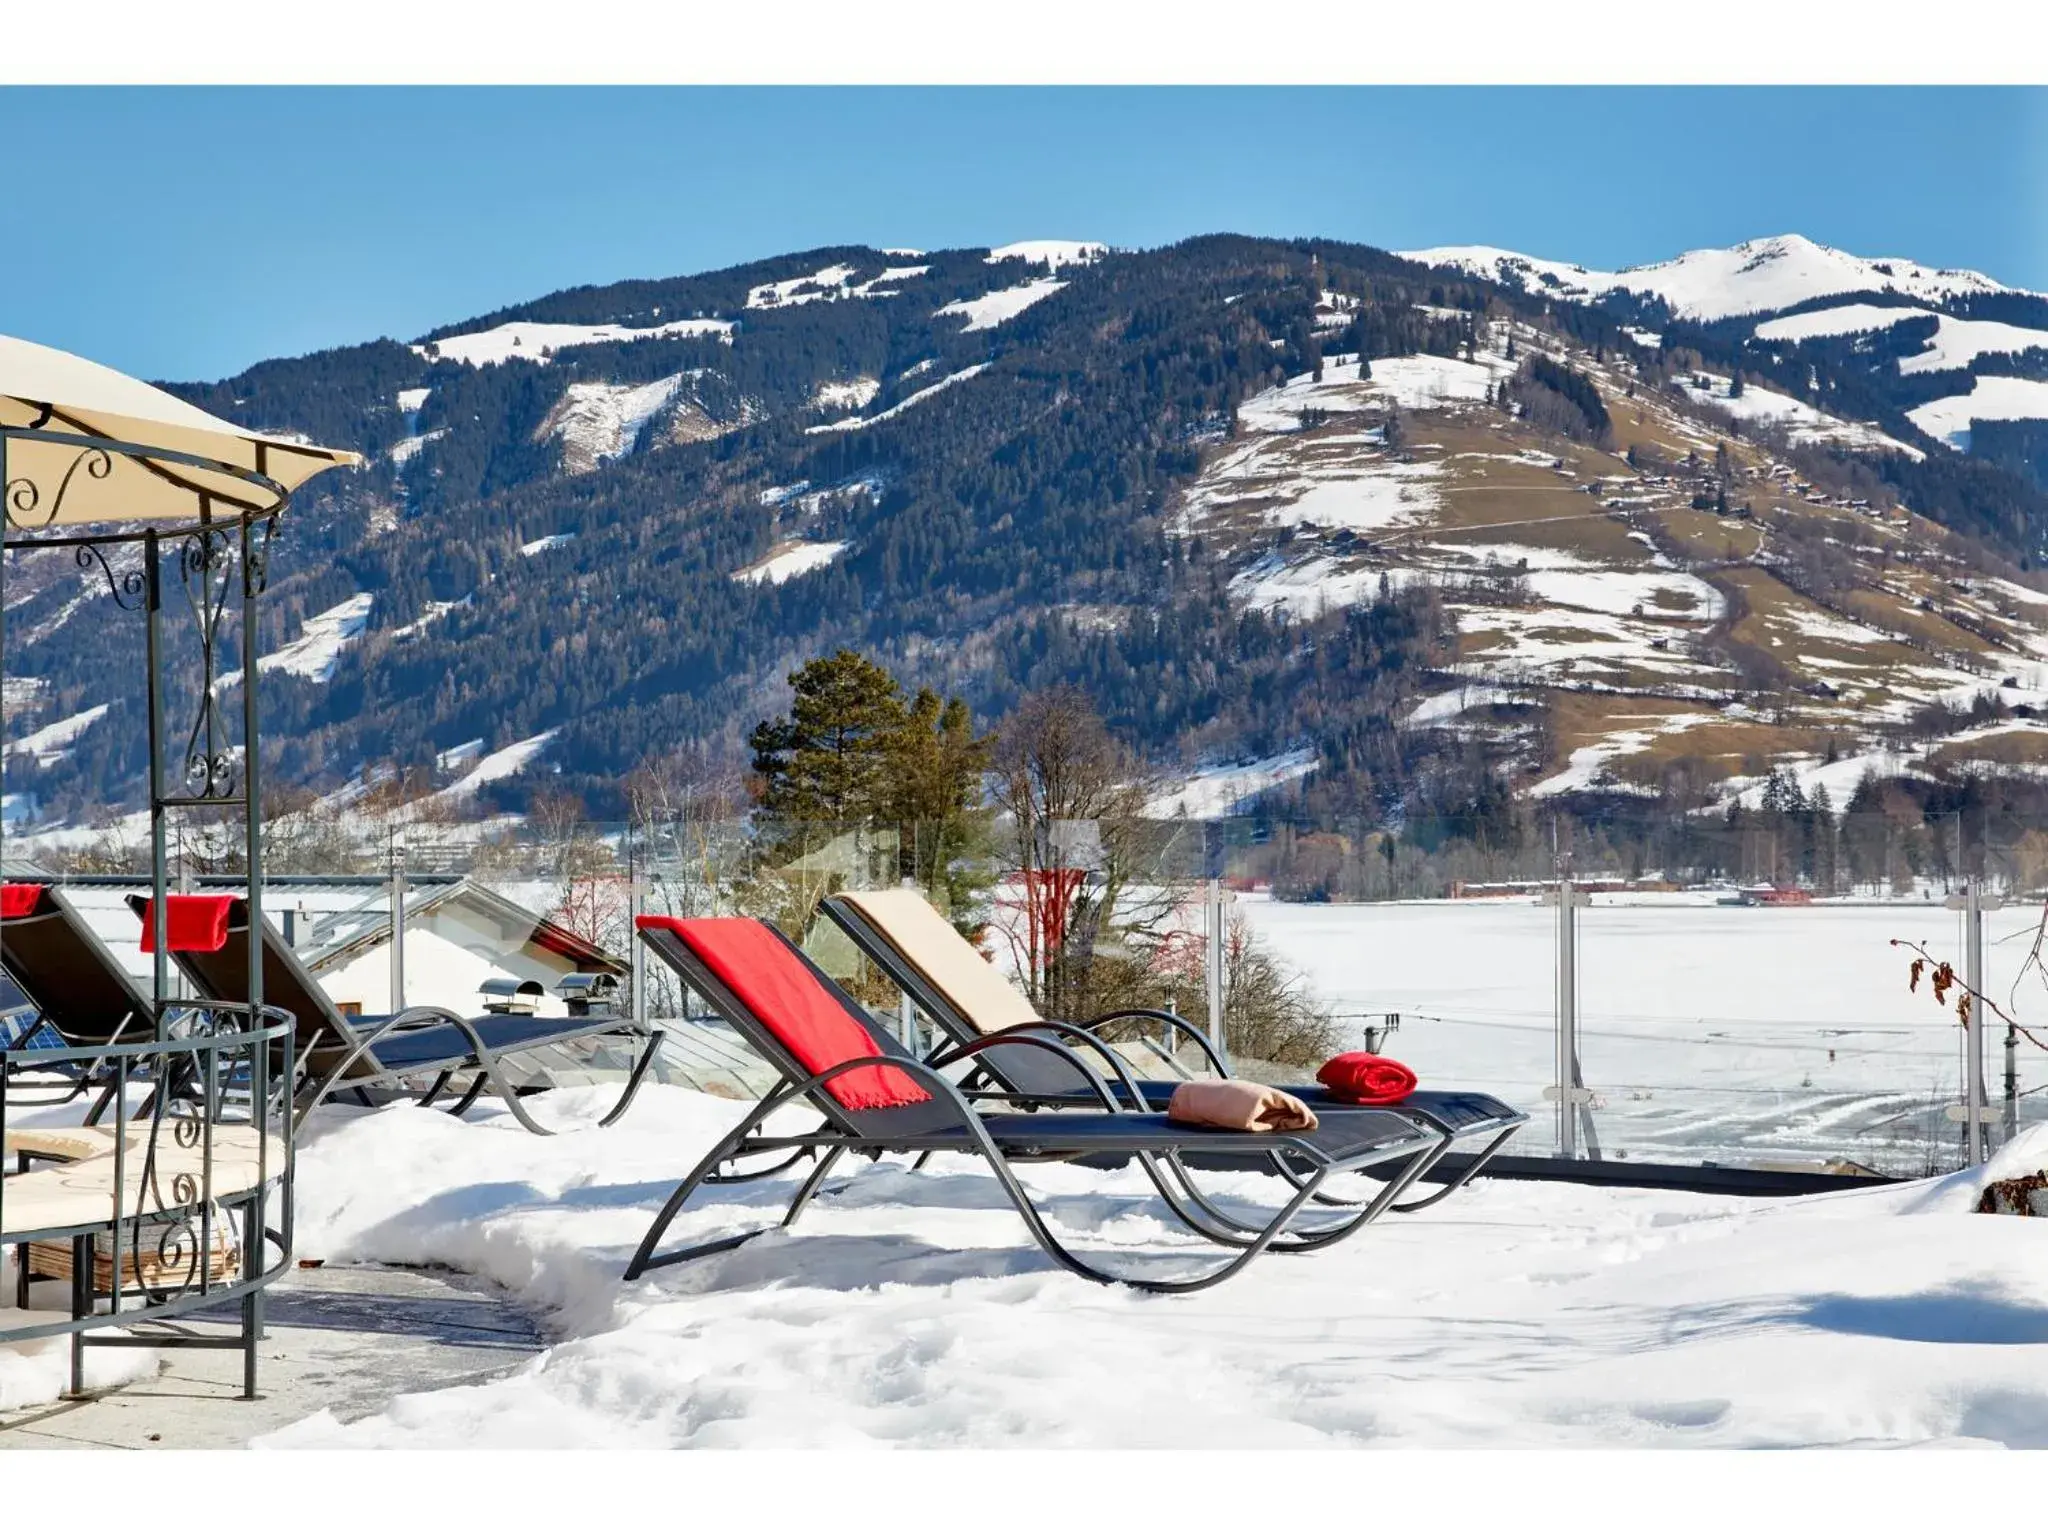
(190, 923)
(20, 900)
(1359, 1077)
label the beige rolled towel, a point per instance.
(1236, 1105)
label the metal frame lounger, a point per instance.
(876, 1097)
(78, 989)
(951, 983)
(420, 1042)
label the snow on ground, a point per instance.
(1228, 789)
(1955, 343)
(795, 558)
(1713, 284)
(493, 766)
(1993, 399)
(597, 421)
(322, 639)
(53, 742)
(545, 543)
(430, 611)
(1838, 778)
(909, 1309)
(853, 423)
(843, 395)
(1444, 707)
(39, 1370)
(1587, 767)
(1052, 253)
(992, 309)
(1420, 382)
(410, 400)
(1305, 589)
(536, 341)
(1325, 485)
(1803, 423)
(825, 283)
(406, 449)
(1657, 594)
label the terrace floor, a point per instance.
(347, 1339)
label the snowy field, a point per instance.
(908, 1309)
(1715, 1033)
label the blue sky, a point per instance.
(186, 233)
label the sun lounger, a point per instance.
(876, 1097)
(951, 983)
(358, 1054)
(77, 991)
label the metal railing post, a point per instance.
(1567, 1020)
(1974, 1111)
(398, 923)
(1213, 965)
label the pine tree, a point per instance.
(830, 758)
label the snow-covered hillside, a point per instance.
(537, 342)
(1755, 277)
(597, 421)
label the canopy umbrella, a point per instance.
(85, 444)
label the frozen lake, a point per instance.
(1720, 1033)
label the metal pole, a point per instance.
(159, 882)
(1213, 969)
(397, 922)
(2012, 1084)
(1973, 1046)
(636, 903)
(1567, 1021)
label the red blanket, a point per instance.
(190, 923)
(1359, 1077)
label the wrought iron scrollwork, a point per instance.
(206, 576)
(24, 497)
(129, 588)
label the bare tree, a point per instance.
(1057, 770)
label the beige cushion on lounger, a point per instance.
(955, 968)
(81, 1194)
(69, 1142)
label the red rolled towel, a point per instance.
(20, 900)
(190, 923)
(1359, 1077)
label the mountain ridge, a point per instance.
(619, 539)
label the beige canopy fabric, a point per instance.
(57, 485)
(952, 965)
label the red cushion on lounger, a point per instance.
(190, 923)
(20, 900)
(1359, 1077)
(780, 990)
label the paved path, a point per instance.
(346, 1339)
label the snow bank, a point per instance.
(909, 1309)
(547, 542)
(39, 1371)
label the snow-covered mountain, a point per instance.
(1753, 278)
